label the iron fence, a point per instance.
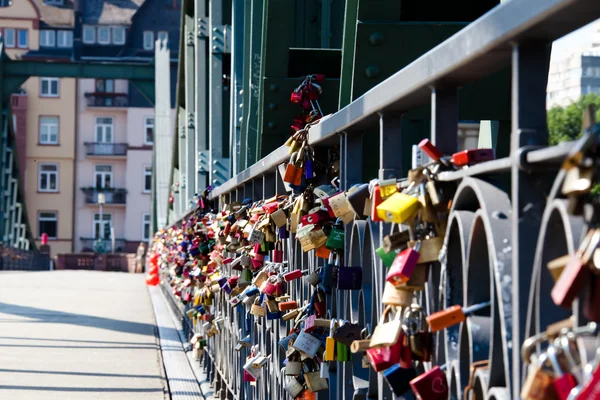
(106, 149)
(111, 196)
(14, 259)
(508, 216)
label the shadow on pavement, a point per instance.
(99, 374)
(50, 316)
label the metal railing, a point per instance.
(111, 196)
(106, 149)
(99, 99)
(14, 259)
(508, 216)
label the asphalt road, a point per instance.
(78, 335)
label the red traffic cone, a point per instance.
(153, 280)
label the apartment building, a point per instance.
(116, 123)
(44, 111)
(83, 139)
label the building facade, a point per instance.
(574, 75)
(85, 139)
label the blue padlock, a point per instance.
(399, 378)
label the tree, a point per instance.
(564, 123)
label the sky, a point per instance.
(577, 39)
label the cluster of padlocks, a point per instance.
(306, 95)
(237, 251)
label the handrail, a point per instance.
(479, 49)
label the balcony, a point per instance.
(111, 196)
(106, 149)
(102, 245)
(100, 99)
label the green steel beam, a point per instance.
(16, 72)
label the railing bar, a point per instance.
(501, 165)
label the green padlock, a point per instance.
(386, 257)
(265, 246)
(335, 241)
(342, 352)
(245, 277)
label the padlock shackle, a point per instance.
(476, 307)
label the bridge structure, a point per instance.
(396, 72)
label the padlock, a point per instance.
(573, 277)
(374, 202)
(557, 266)
(292, 275)
(420, 340)
(349, 278)
(452, 316)
(591, 298)
(315, 217)
(346, 333)
(268, 287)
(563, 381)
(278, 253)
(313, 379)
(320, 303)
(398, 379)
(578, 181)
(284, 343)
(293, 171)
(330, 347)
(279, 218)
(429, 249)
(395, 297)
(387, 333)
(432, 385)
(311, 278)
(357, 197)
(335, 240)
(258, 310)
(472, 156)
(293, 368)
(403, 266)
(387, 258)
(429, 148)
(272, 305)
(307, 343)
(398, 208)
(288, 305)
(342, 352)
(591, 388)
(293, 387)
(290, 315)
(396, 241)
(330, 271)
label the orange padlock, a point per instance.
(452, 316)
(288, 305)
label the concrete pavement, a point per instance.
(78, 335)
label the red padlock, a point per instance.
(316, 218)
(375, 201)
(570, 283)
(432, 385)
(290, 276)
(429, 148)
(296, 97)
(278, 253)
(470, 157)
(563, 382)
(592, 389)
(382, 358)
(403, 266)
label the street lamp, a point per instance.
(101, 202)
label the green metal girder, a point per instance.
(16, 72)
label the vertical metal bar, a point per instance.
(269, 186)
(444, 119)
(237, 71)
(201, 92)
(348, 51)
(530, 63)
(246, 92)
(190, 174)
(390, 158)
(215, 91)
(325, 24)
(257, 189)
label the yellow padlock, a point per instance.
(398, 208)
(387, 188)
(330, 343)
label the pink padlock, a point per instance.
(278, 253)
(432, 385)
(258, 260)
(290, 276)
(269, 287)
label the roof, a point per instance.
(56, 16)
(115, 12)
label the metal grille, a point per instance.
(14, 259)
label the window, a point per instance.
(9, 37)
(47, 38)
(146, 227)
(48, 130)
(105, 85)
(102, 227)
(118, 35)
(48, 178)
(148, 130)
(54, 2)
(104, 130)
(103, 176)
(147, 179)
(148, 40)
(162, 35)
(23, 38)
(103, 35)
(89, 34)
(49, 87)
(48, 224)
(64, 39)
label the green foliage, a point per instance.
(564, 123)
